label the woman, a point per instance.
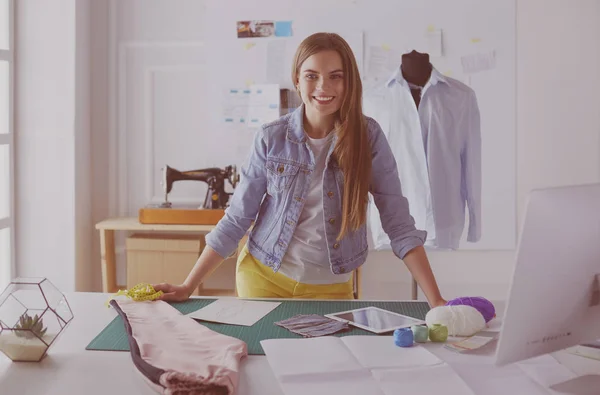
(305, 185)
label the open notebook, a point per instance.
(354, 365)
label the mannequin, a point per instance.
(437, 144)
(416, 70)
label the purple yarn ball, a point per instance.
(484, 306)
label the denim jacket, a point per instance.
(274, 182)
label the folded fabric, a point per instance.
(177, 355)
(312, 325)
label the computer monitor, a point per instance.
(554, 298)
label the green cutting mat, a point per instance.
(114, 338)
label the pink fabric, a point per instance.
(195, 359)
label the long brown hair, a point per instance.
(352, 148)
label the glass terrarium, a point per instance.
(33, 312)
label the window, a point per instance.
(7, 219)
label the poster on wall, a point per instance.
(251, 107)
(263, 28)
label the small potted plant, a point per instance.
(32, 315)
(26, 342)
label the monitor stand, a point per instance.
(583, 385)
(589, 383)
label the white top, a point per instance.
(307, 258)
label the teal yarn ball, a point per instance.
(421, 333)
(403, 337)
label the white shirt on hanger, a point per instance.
(438, 151)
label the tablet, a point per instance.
(374, 319)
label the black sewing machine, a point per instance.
(211, 211)
(216, 196)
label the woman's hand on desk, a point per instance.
(174, 293)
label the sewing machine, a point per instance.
(216, 197)
(215, 201)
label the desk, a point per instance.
(69, 368)
(107, 230)
(108, 263)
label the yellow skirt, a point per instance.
(255, 280)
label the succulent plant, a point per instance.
(31, 327)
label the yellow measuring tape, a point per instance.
(138, 293)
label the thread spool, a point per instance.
(420, 333)
(438, 333)
(403, 337)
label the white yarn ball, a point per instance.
(461, 320)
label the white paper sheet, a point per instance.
(433, 43)
(356, 365)
(264, 104)
(315, 355)
(478, 62)
(235, 107)
(355, 383)
(234, 311)
(382, 61)
(276, 53)
(438, 379)
(376, 352)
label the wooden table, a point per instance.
(107, 230)
(108, 265)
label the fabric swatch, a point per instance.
(312, 325)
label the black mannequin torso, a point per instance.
(416, 70)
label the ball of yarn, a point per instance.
(403, 337)
(438, 333)
(461, 320)
(484, 306)
(420, 333)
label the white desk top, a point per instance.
(69, 368)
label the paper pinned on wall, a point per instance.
(276, 60)
(382, 61)
(235, 106)
(264, 104)
(433, 42)
(263, 28)
(283, 29)
(478, 62)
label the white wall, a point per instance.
(558, 128)
(52, 142)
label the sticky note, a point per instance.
(430, 28)
(247, 46)
(283, 29)
(385, 47)
(249, 82)
(475, 40)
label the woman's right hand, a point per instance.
(173, 293)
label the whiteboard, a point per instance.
(468, 27)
